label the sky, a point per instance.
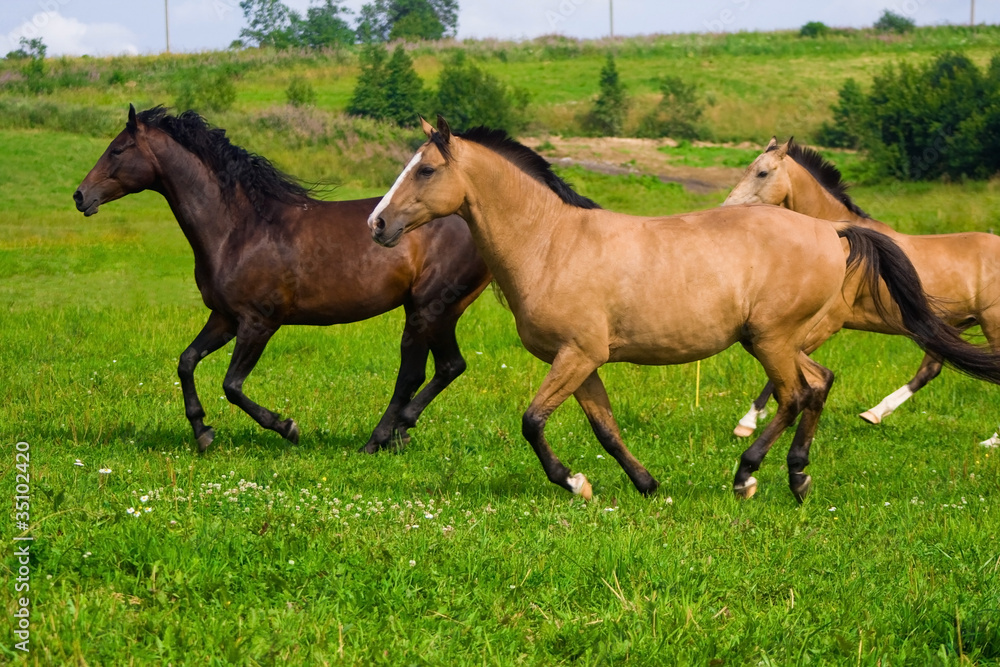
(113, 27)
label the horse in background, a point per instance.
(961, 272)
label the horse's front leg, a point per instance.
(217, 332)
(251, 339)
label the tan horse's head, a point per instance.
(766, 180)
(430, 187)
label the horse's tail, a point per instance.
(884, 259)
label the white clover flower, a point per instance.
(413, 563)
(291, 562)
(78, 463)
(105, 471)
(833, 509)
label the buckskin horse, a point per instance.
(588, 286)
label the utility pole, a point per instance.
(611, 15)
(972, 13)
(166, 22)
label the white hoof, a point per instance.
(580, 486)
(746, 490)
(992, 442)
(871, 417)
(743, 431)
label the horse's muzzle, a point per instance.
(87, 208)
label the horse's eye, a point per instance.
(115, 152)
(426, 172)
(761, 174)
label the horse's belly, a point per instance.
(671, 348)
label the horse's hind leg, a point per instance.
(820, 380)
(989, 320)
(929, 369)
(748, 423)
(250, 343)
(217, 332)
(413, 352)
(448, 365)
(792, 394)
(570, 369)
(593, 398)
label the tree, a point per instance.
(404, 91)
(387, 90)
(30, 48)
(325, 25)
(269, 23)
(369, 97)
(607, 116)
(386, 20)
(468, 96)
(893, 22)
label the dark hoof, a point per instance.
(291, 431)
(370, 447)
(205, 439)
(802, 490)
(648, 488)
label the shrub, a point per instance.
(369, 98)
(677, 114)
(300, 92)
(941, 119)
(892, 22)
(468, 96)
(848, 118)
(206, 90)
(814, 29)
(607, 116)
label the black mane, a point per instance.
(525, 159)
(261, 181)
(825, 173)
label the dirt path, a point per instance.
(620, 155)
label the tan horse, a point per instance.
(588, 286)
(962, 271)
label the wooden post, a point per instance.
(697, 383)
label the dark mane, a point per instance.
(525, 159)
(262, 183)
(825, 172)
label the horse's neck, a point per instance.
(193, 194)
(513, 219)
(809, 197)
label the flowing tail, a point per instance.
(884, 260)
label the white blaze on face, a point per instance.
(382, 205)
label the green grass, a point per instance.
(261, 552)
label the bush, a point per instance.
(300, 92)
(941, 119)
(814, 29)
(607, 116)
(848, 118)
(468, 96)
(893, 22)
(205, 90)
(677, 114)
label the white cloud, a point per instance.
(69, 36)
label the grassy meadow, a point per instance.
(458, 550)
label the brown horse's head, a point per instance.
(430, 187)
(125, 167)
(766, 180)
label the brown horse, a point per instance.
(588, 286)
(267, 254)
(962, 271)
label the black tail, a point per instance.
(883, 259)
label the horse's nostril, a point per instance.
(380, 225)
(78, 197)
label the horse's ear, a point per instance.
(782, 150)
(443, 128)
(131, 125)
(426, 127)
(772, 144)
